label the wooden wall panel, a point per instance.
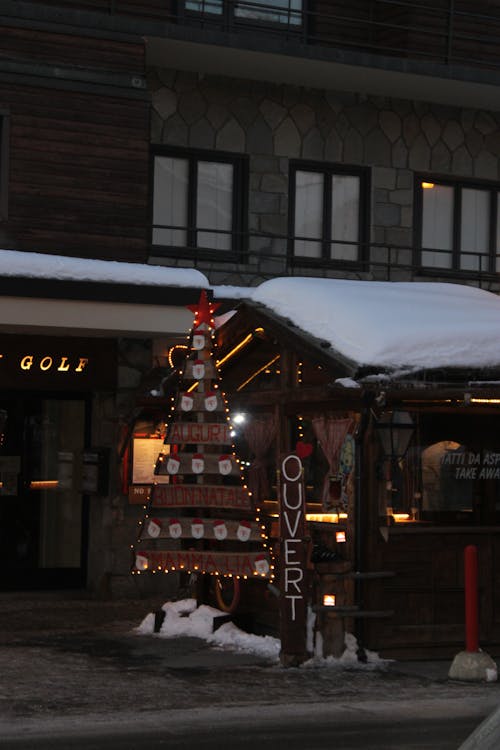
(78, 158)
(343, 23)
(69, 49)
(148, 9)
(427, 593)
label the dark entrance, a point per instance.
(43, 513)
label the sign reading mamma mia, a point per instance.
(293, 557)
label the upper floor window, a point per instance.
(287, 12)
(328, 206)
(458, 225)
(198, 200)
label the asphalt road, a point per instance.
(445, 734)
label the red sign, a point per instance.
(232, 563)
(200, 495)
(200, 432)
(293, 560)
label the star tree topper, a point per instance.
(204, 311)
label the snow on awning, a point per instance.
(392, 325)
(55, 294)
(29, 265)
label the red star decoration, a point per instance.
(204, 310)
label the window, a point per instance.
(450, 473)
(288, 12)
(458, 224)
(198, 201)
(328, 205)
(4, 162)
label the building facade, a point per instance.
(247, 140)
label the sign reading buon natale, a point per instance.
(66, 363)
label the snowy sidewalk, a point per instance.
(74, 658)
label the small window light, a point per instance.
(340, 537)
(427, 185)
(329, 600)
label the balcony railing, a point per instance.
(262, 256)
(449, 32)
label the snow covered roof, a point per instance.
(392, 325)
(61, 268)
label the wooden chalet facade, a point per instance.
(397, 580)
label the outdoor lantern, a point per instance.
(395, 430)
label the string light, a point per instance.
(203, 327)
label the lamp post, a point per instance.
(395, 430)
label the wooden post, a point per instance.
(292, 561)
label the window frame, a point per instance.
(456, 253)
(229, 18)
(328, 170)
(239, 205)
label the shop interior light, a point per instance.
(44, 484)
(493, 401)
(323, 517)
(329, 600)
(427, 185)
(400, 517)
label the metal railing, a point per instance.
(262, 256)
(449, 32)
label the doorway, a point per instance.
(43, 513)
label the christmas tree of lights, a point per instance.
(200, 517)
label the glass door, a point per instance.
(42, 509)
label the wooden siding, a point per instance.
(21, 44)
(427, 592)
(145, 9)
(78, 171)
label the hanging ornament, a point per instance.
(261, 565)
(198, 340)
(225, 464)
(197, 528)
(173, 464)
(244, 530)
(198, 369)
(198, 463)
(174, 528)
(141, 561)
(211, 401)
(154, 528)
(220, 530)
(187, 402)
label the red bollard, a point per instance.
(471, 600)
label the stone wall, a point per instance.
(273, 124)
(112, 520)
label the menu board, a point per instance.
(145, 454)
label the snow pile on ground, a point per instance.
(350, 659)
(185, 618)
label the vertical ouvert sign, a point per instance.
(292, 561)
